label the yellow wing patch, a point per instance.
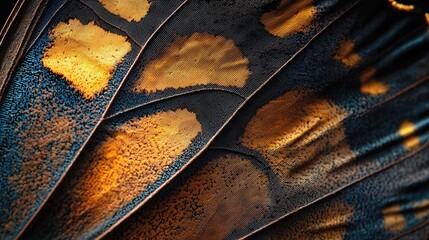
(85, 55)
(421, 209)
(290, 17)
(346, 53)
(225, 195)
(133, 157)
(196, 60)
(406, 131)
(130, 10)
(305, 139)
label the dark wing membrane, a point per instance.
(321, 125)
(55, 98)
(192, 73)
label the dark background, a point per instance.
(5, 9)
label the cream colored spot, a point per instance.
(86, 55)
(421, 209)
(394, 220)
(401, 6)
(305, 139)
(406, 131)
(369, 85)
(346, 53)
(290, 17)
(131, 10)
(326, 223)
(196, 60)
(121, 168)
(224, 196)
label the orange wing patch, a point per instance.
(369, 85)
(406, 131)
(346, 53)
(328, 222)
(225, 195)
(130, 10)
(394, 220)
(305, 139)
(290, 17)
(196, 60)
(133, 157)
(86, 55)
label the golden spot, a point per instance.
(290, 17)
(427, 18)
(346, 54)
(406, 131)
(401, 6)
(131, 10)
(327, 222)
(86, 55)
(305, 139)
(133, 157)
(394, 220)
(196, 60)
(369, 85)
(421, 209)
(226, 195)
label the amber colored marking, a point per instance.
(196, 60)
(45, 130)
(86, 55)
(406, 131)
(327, 222)
(394, 220)
(421, 209)
(290, 17)
(304, 139)
(131, 10)
(224, 196)
(401, 6)
(346, 53)
(427, 18)
(133, 157)
(369, 85)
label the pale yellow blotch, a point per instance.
(394, 220)
(133, 157)
(401, 6)
(224, 196)
(196, 60)
(421, 209)
(290, 17)
(346, 53)
(406, 131)
(131, 10)
(328, 222)
(85, 55)
(305, 139)
(369, 85)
